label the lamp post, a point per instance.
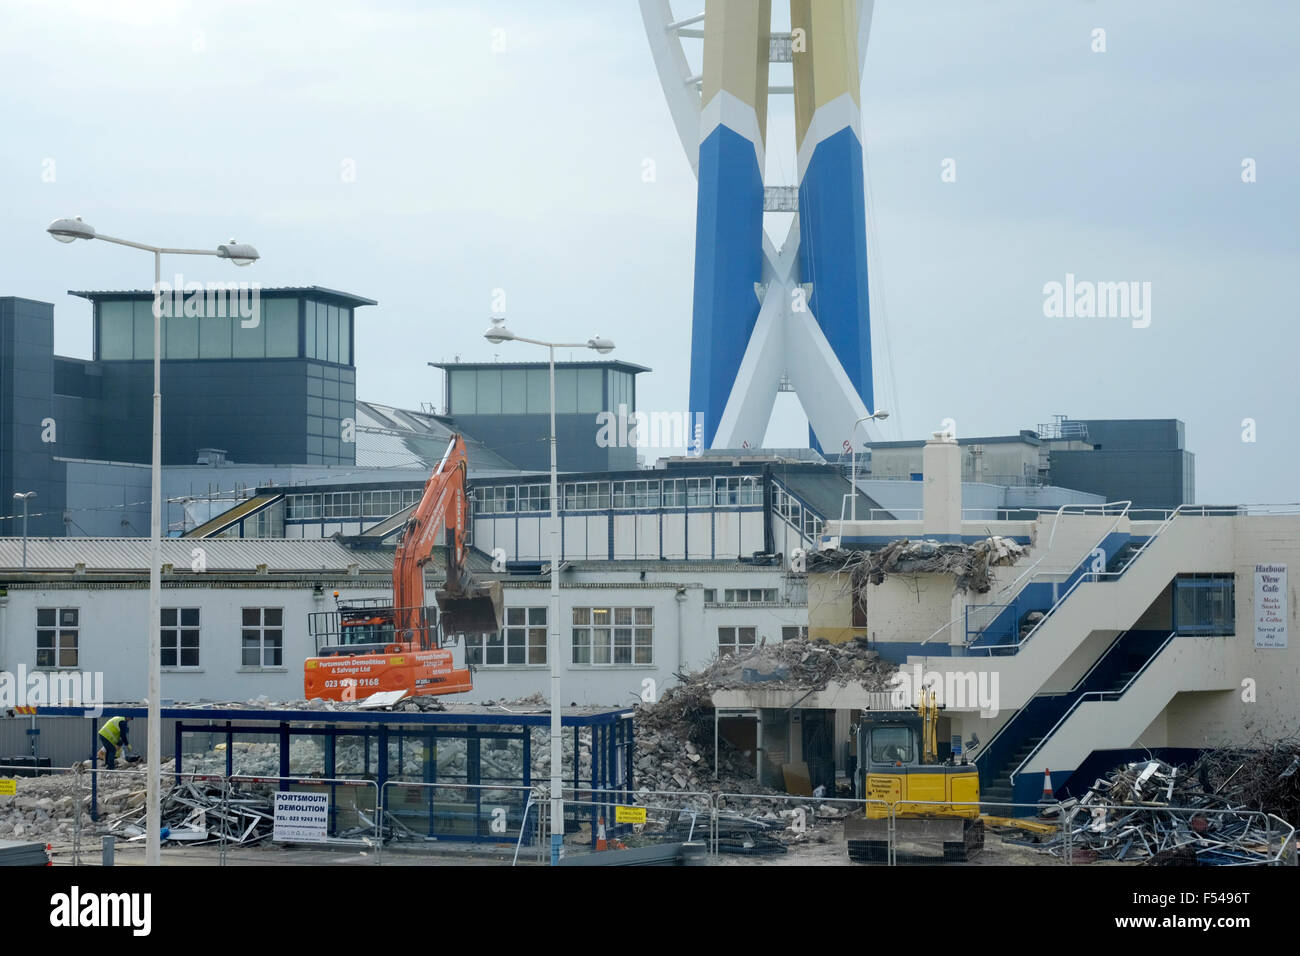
(853, 475)
(24, 496)
(497, 334)
(68, 230)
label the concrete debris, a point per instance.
(1153, 813)
(674, 736)
(969, 564)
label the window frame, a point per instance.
(57, 629)
(733, 645)
(262, 629)
(612, 636)
(178, 630)
(526, 631)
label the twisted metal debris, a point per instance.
(1153, 813)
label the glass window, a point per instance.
(309, 330)
(281, 319)
(514, 400)
(57, 636)
(891, 745)
(589, 390)
(116, 330)
(180, 637)
(143, 311)
(214, 337)
(464, 395)
(566, 391)
(322, 331)
(735, 640)
(489, 391)
(345, 336)
(332, 332)
(539, 391)
(1204, 605)
(249, 342)
(182, 337)
(606, 636)
(262, 637)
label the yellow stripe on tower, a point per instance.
(736, 55)
(825, 57)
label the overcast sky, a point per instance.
(520, 168)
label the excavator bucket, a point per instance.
(475, 610)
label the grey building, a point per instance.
(506, 405)
(266, 378)
(27, 413)
(1142, 460)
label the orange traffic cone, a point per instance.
(601, 842)
(1048, 790)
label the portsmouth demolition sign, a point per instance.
(301, 817)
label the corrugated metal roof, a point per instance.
(280, 555)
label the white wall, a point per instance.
(112, 637)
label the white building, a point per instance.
(235, 616)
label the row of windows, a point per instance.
(738, 640)
(635, 494)
(741, 596)
(350, 504)
(523, 391)
(221, 325)
(261, 636)
(788, 507)
(226, 331)
(600, 636)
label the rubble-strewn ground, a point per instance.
(674, 736)
(1207, 813)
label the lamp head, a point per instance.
(602, 345)
(498, 333)
(240, 253)
(66, 230)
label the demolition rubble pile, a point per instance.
(1211, 813)
(674, 736)
(969, 564)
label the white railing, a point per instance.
(1092, 695)
(1051, 538)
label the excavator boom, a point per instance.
(395, 646)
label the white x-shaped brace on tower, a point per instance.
(786, 343)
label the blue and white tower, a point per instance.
(767, 317)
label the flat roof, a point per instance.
(463, 713)
(616, 364)
(316, 291)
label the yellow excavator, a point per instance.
(933, 802)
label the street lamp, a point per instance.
(241, 254)
(24, 496)
(497, 334)
(853, 480)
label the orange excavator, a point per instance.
(367, 647)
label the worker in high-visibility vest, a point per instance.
(114, 735)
